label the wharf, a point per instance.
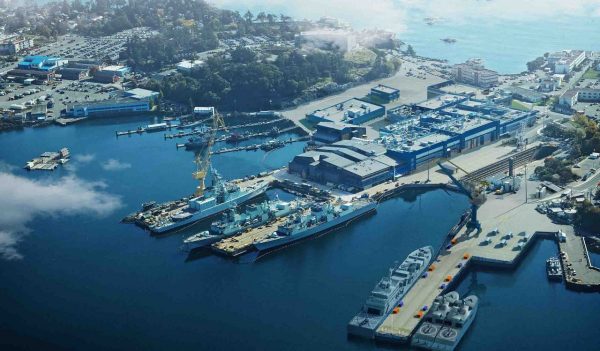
(252, 147)
(66, 121)
(248, 125)
(242, 243)
(499, 216)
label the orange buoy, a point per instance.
(431, 268)
(453, 241)
(448, 278)
(465, 256)
(419, 314)
(396, 310)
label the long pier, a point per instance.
(239, 126)
(509, 229)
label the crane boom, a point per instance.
(202, 158)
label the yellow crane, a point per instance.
(202, 157)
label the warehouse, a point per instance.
(354, 165)
(385, 93)
(101, 108)
(328, 132)
(73, 73)
(352, 111)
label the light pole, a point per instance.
(526, 197)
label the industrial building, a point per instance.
(328, 132)
(73, 73)
(352, 111)
(202, 112)
(186, 66)
(525, 94)
(355, 165)
(566, 61)
(110, 107)
(385, 93)
(141, 94)
(21, 75)
(41, 63)
(13, 45)
(474, 73)
(465, 125)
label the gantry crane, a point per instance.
(474, 195)
(202, 157)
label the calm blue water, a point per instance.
(92, 283)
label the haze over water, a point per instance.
(505, 33)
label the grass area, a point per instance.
(363, 57)
(591, 73)
(308, 124)
(519, 105)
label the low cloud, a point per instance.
(23, 199)
(394, 15)
(115, 165)
(84, 158)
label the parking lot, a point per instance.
(56, 96)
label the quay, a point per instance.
(264, 146)
(509, 229)
(66, 121)
(182, 134)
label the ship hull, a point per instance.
(365, 325)
(287, 240)
(209, 212)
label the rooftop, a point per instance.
(385, 89)
(346, 110)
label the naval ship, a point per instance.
(319, 218)
(446, 322)
(388, 293)
(233, 222)
(219, 197)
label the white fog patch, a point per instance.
(23, 199)
(115, 165)
(84, 158)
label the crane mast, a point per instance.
(202, 158)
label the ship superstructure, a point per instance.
(446, 322)
(389, 292)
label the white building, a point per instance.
(187, 66)
(201, 111)
(568, 98)
(340, 40)
(15, 44)
(474, 73)
(566, 61)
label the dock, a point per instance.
(233, 127)
(66, 121)
(509, 229)
(242, 243)
(252, 147)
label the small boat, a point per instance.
(449, 40)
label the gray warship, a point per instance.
(446, 322)
(389, 292)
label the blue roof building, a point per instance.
(40, 63)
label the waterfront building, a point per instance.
(565, 61)
(474, 73)
(13, 45)
(353, 164)
(462, 126)
(570, 97)
(109, 107)
(385, 93)
(352, 111)
(328, 132)
(203, 111)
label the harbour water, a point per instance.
(90, 282)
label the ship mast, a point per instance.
(202, 158)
